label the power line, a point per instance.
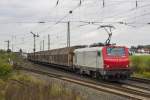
(133, 17)
(59, 21)
(98, 24)
(133, 1)
(127, 11)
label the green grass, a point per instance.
(5, 66)
(2, 89)
(141, 66)
(142, 75)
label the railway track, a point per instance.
(122, 90)
(141, 80)
(135, 84)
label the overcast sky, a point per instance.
(19, 17)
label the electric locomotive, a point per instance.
(108, 62)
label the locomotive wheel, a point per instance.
(105, 78)
(77, 71)
(93, 74)
(98, 76)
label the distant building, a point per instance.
(140, 49)
(147, 50)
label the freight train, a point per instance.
(107, 62)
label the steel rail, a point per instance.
(141, 80)
(134, 86)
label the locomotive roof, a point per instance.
(89, 49)
(93, 48)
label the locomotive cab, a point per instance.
(108, 62)
(116, 62)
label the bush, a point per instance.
(5, 69)
(141, 64)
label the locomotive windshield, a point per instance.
(115, 51)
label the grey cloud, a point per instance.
(19, 17)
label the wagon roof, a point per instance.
(64, 50)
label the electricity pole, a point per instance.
(103, 3)
(68, 34)
(34, 36)
(43, 45)
(136, 3)
(48, 42)
(12, 39)
(8, 44)
(40, 45)
(68, 40)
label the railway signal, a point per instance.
(34, 36)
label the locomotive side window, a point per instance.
(115, 51)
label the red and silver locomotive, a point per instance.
(109, 62)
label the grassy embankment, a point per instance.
(141, 66)
(15, 85)
(5, 71)
(5, 63)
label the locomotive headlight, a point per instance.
(107, 66)
(127, 66)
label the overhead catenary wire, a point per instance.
(65, 16)
(35, 22)
(122, 16)
(57, 2)
(114, 1)
(113, 16)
